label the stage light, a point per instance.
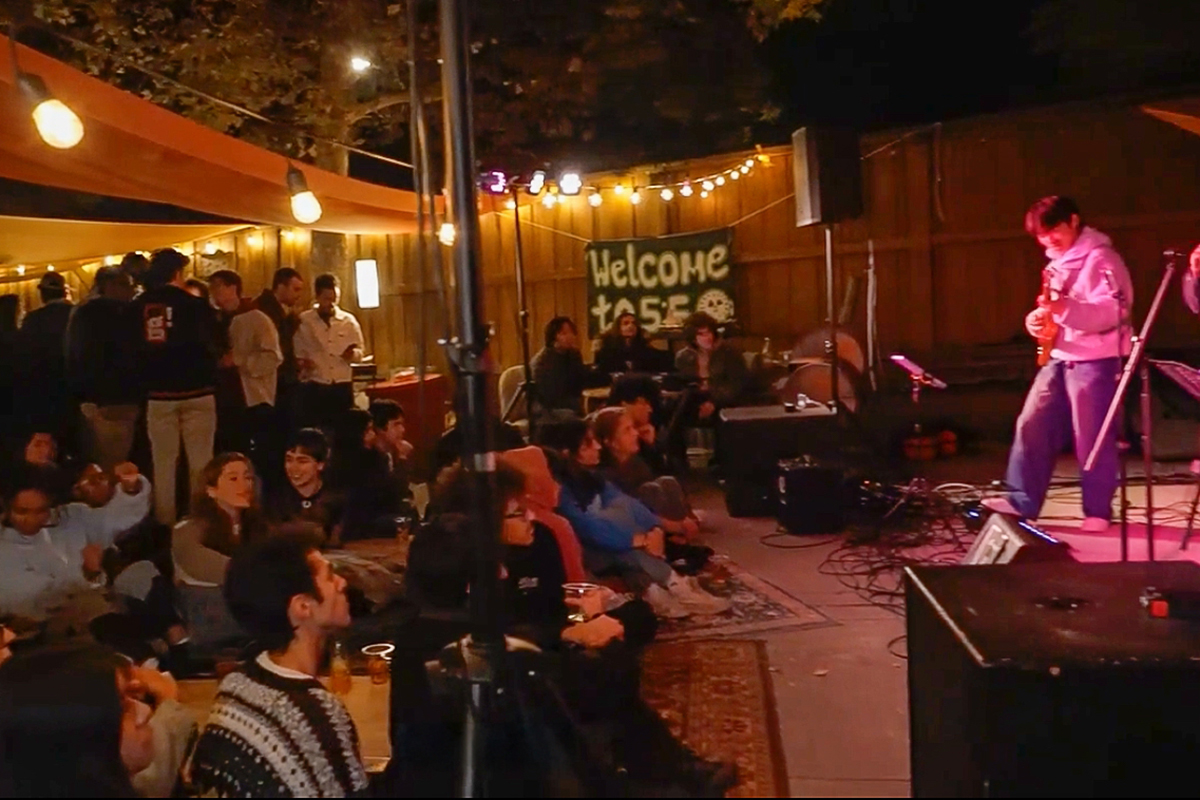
(707, 186)
(306, 208)
(537, 182)
(703, 193)
(734, 174)
(360, 64)
(447, 234)
(720, 181)
(510, 204)
(494, 182)
(685, 190)
(366, 282)
(57, 124)
(619, 189)
(570, 183)
(548, 200)
(210, 249)
(635, 197)
(667, 195)
(594, 199)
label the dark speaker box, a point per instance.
(810, 497)
(827, 172)
(752, 440)
(1005, 540)
(1051, 680)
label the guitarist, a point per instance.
(1087, 291)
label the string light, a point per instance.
(210, 249)
(510, 204)
(686, 189)
(447, 234)
(734, 174)
(57, 124)
(749, 163)
(703, 194)
(549, 200)
(20, 269)
(537, 182)
(708, 186)
(666, 195)
(570, 183)
(636, 197)
(720, 180)
(594, 199)
(743, 169)
(619, 189)
(49, 268)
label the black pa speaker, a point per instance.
(1004, 540)
(810, 497)
(827, 171)
(1051, 680)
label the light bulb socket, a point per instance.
(296, 182)
(33, 88)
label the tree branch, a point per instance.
(360, 111)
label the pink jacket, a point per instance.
(541, 498)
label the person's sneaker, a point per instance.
(710, 778)
(1094, 525)
(665, 604)
(695, 599)
(1000, 505)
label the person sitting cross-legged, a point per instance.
(306, 501)
(274, 730)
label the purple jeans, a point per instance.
(1067, 402)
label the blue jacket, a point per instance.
(609, 521)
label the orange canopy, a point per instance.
(133, 149)
(1183, 113)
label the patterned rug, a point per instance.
(716, 697)
(758, 606)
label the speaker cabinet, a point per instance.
(1004, 540)
(1051, 680)
(810, 497)
(827, 172)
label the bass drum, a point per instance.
(812, 345)
(814, 378)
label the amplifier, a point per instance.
(810, 497)
(752, 440)
(1051, 680)
(1004, 540)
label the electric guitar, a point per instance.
(1045, 342)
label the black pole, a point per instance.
(469, 354)
(1148, 456)
(831, 351)
(416, 143)
(523, 312)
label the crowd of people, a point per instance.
(114, 581)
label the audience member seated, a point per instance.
(718, 378)
(559, 374)
(449, 446)
(77, 722)
(305, 503)
(621, 464)
(275, 730)
(51, 568)
(387, 417)
(624, 348)
(641, 397)
(370, 498)
(38, 451)
(225, 517)
(618, 533)
(541, 498)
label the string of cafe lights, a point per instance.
(570, 184)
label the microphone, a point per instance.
(917, 372)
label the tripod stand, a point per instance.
(919, 378)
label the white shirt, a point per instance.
(323, 343)
(255, 345)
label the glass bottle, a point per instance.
(340, 681)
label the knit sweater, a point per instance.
(275, 732)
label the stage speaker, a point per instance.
(827, 173)
(1051, 680)
(752, 440)
(810, 497)
(1005, 540)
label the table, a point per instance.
(424, 426)
(369, 705)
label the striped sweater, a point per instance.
(274, 732)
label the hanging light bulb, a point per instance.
(594, 199)
(707, 186)
(749, 163)
(667, 195)
(685, 190)
(447, 234)
(720, 181)
(537, 182)
(20, 269)
(510, 204)
(570, 183)
(49, 268)
(306, 208)
(57, 124)
(743, 169)
(734, 174)
(360, 64)
(703, 193)
(635, 197)
(548, 200)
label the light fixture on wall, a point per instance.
(254, 239)
(447, 234)
(306, 208)
(20, 269)
(366, 282)
(210, 248)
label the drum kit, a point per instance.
(805, 370)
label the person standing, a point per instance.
(328, 341)
(102, 368)
(1084, 315)
(179, 370)
(41, 398)
(279, 303)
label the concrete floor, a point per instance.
(841, 695)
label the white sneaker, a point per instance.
(1000, 505)
(688, 592)
(1094, 525)
(665, 604)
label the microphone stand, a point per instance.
(1135, 361)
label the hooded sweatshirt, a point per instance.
(1093, 281)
